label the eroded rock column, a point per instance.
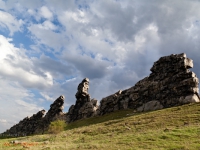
(85, 106)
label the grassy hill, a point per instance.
(172, 129)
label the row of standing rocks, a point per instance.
(27, 126)
(39, 122)
(171, 83)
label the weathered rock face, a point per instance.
(169, 84)
(82, 95)
(56, 109)
(27, 126)
(55, 113)
(38, 122)
(84, 107)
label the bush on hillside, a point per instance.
(56, 127)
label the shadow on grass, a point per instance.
(112, 117)
(117, 116)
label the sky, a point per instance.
(48, 46)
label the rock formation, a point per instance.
(38, 123)
(169, 84)
(56, 110)
(27, 126)
(84, 107)
(55, 113)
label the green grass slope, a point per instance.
(168, 129)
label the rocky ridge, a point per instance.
(171, 83)
(39, 122)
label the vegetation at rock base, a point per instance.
(176, 128)
(56, 127)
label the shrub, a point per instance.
(56, 126)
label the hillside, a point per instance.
(172, 128)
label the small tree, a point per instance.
(56, 127)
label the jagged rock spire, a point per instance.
(84, 107)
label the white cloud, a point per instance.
(27, 79)
(16, 66)
(31, 12)
(44, 34)
(2, 4)
(7, 21)
(15, 100)
(3, 121)
(46, 13)
(47, 97)
(46, 25)
(27, 105)
(49, 25)
(78, 16)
